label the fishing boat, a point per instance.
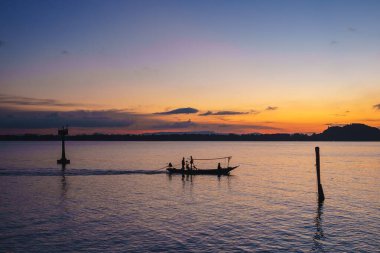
(193, 170)
(221, 171)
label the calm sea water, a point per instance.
(112, 198)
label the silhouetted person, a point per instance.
(191, 162)
(183, 167)
(219, 169)
(187, 165)
(170, 165)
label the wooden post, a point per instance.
(321, 195)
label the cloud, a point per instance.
(174, 125)
(260, 127)
(271, 108)
(343, 114)
(247, 127)
(370, 120)
(206, 113)
(376, 107)
(222, 113)
(109, 121)
(89, 119)
(16, 119)
(334, 125)
(65, 52)
(27, 101)
(333, 43)
(351, 29)
(215, 127)
(187, 110)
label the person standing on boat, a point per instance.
(191, 162)
(183, 166)
(219, 169)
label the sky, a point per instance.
(182, 66)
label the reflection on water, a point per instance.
(63, 183)
(112, 198)
(319, 236)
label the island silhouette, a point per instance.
(350, 132)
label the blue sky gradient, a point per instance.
(149, 56)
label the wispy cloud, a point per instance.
(351, 29)
(65, 52)
(376, 107)
(10, 100)
(271, 108)
(334, 124)
(370, 120)
(250, 127)
(187, 110)
(341, 114)
(174, 125)
(222, 113)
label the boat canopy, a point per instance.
(217, 158)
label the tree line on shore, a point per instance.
(351, 132)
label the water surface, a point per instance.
(113, 197)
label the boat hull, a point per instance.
(222, 171)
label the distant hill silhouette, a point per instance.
(352, 132)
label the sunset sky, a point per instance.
(157, 66)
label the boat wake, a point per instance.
(74, 172)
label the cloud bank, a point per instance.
(21, 114)
(109, 121)
(15, 119)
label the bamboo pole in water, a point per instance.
(321, 195)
